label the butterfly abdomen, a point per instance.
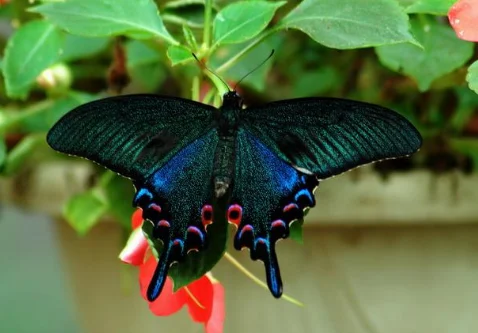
(224, 157)
(224, 161)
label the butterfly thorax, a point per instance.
(224, 158)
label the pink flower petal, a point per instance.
(463, 17)
(168, 302)
(215, 324)
(135, 249)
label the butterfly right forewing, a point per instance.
(327, 136)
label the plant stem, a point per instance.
(195, 89)
(207, 24)
(221, 88)
(246, 50)
(254, 278)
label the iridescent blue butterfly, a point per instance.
(266, 161)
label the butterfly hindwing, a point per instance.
(177, 199)
(268, 194)
(328, 136)
(133, 135)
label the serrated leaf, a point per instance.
(243, 20)
(467, 104)
(310, 83)
(179, 54)
(196, 264)
(138, 53)
(434, 7)
(145, 65)
(84, 210)
(102, 18)
(21, 152)
(118, 192)
(442, 53)
(189, 37)
(79, 47)
(3, 152)
(45, 117)
(296, 231)
(349, 24)
(472, 77)
(256, 79)
(32, 48)
(468, 147)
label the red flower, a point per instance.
(463, 17)
(203, 297)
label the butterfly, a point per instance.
(265, 161)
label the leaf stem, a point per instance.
(245, 50)
(195, 89)
(207, 24)
(254, 278)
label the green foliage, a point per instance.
(349, 24)
(434, 7)
(104, 18)
(64, 53)
(241, 21)
(84, 210)
(442, 52)
(108, 197)
(32, 48)
(472, 76)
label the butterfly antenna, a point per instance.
(209, 70)
(257, 67)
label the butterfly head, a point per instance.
(232, 100)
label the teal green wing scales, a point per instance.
(133, 135)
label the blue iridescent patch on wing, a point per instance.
(175, 199)
(269, 193)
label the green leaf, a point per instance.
(145, 65)
(472, 76)
(179, 54)
(190, 39)
(467, 104)
(442, 53)
(118, 192)
(101, 18)
(256, 79)
(32, 48)
(319, 81)
(3, 152)
(21, 152)
(434, 7)
(196, 264)
(243, 20)
(79, 47)
(296, 232)
(185, 13)
(45, 117)
(84, 210)
(349, 24)
(467, 146)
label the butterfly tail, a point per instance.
(160, 273)
(265, 251)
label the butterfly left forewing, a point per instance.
(268, 194)
(327, 136)
(132, 134)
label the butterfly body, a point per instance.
(264, 161)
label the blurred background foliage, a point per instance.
(418, 69)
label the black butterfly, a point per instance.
(266, 161)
